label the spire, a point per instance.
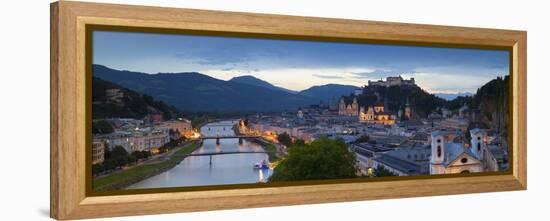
(386, 103)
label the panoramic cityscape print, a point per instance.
(172, 110)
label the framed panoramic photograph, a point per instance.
(158, 110)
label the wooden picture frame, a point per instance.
(69, 113)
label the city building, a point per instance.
(420, 137)
(183, 126)
(365, 154)
(450, 156)
(397, 165)
(125, 123)
(114, 95)
(145, 139)
(98, 151)
(154, 118)
(454, 123)
(376, 115)
(463, 111)
(412, 160)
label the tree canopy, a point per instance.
(284, 139)
(322, 159)
(381, 171)
(102, 127)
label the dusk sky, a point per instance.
(298, 65)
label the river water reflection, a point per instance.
(225, 169)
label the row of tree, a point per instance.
(171, 145)
(102, 127)
(117, 158)
(285, 139)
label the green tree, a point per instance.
(97, 168)
(120, 155)
(299, 142)
(381, 171)
(107, 152)
(138, 154)
(146, 154)
(102, 127)
(322, 159)
(109, 164)
(132, 159)
(285, 139)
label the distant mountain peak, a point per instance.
(328, 91)
(246, 77)
(451, 96)
(251, 80)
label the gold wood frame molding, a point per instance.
(69, 86)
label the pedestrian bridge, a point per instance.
(218, 138)
(210, 154)
(228, 137)
(221, 153)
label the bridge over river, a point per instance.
(210, 154)
(223, 158)
(218, 138)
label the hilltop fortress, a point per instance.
(392, 81)
(377, 113)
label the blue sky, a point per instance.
(298, 65)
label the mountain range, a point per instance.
(251, 80)
(452, 96)
(196, 92)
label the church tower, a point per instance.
(408, 111)
(370, 113)
(342, 107)
(400, 113)
(478, 141)
(362, 114)
(355, 107)
(438, 153)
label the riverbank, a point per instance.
(271, 152)
(268, 147)
(125, 178)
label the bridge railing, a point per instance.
(226, 137)
(222, 153)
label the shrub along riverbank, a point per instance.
(268, 147)
(125, 178)
(272, 152)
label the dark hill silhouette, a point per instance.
(192, 91)
(325, 93)
(131, 105)
(251, 80)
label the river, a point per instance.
(225, 169)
